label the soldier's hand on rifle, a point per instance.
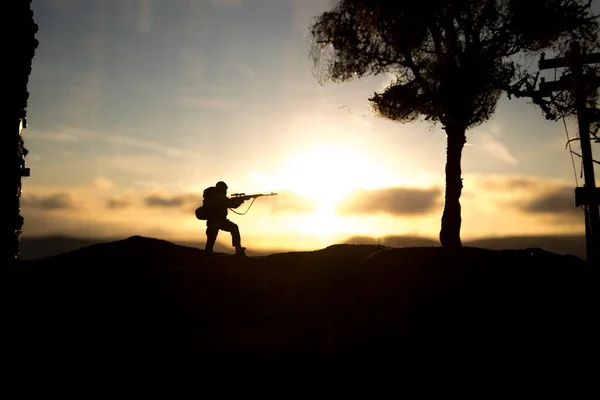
(236, 202)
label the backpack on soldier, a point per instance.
(202, 213)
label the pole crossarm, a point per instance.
(561, 62)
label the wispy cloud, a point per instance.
(81, 135)
(493, 147)
(556, 201)
(56, 201)
(117, 203)
(180, 200)
(509, 183)
(529, 194)
(143, 144)
(399, 201)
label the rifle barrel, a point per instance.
(251, 196)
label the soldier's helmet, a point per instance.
(221, 186)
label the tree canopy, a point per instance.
(452, 58)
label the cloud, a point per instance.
(56, 201)
(557, 201)
(519, 186)
(226, 3)
(177, 201)
(80, 135)
(530, 195)
(494, 147)
(117, 204)
(399, 201)
(68, 135)
(508, 183)
(142, 144)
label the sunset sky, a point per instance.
(136, 106)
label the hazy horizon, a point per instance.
(137, 105)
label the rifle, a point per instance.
(244, 197)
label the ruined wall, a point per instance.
(19, 46)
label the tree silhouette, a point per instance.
(452, 60)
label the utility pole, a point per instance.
(589, 195)
(20, 48)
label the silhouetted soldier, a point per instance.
(217, 204)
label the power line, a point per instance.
(570, 150)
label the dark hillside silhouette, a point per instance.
(42, 247)
(143, 302)
(136, 253)
(560, 244)
(452, 60)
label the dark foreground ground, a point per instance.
(143, 303)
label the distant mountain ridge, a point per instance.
(41, 247)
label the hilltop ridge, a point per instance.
(33, 248)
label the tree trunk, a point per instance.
(451, 219)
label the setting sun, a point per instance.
(328, 174)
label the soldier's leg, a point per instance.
(212, 231)
(231, 227)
